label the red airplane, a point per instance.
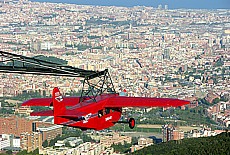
(98, 107)
(102, 114)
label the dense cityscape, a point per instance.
(149, 52)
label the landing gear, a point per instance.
(131, 123)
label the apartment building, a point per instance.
(31, 141)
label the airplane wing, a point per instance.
(43, 113)
(38, 102)
(123, 101)
(73, 115)
(69, 101)
(69, 114)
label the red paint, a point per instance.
(95, 115)
(131, 123)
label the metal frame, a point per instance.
(99, 84)
(95, 82)
(13, 63)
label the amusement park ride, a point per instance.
(98, 107)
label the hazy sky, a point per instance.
(172, 4)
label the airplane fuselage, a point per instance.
(95, 116)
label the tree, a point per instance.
(36, 151)
(134, 140)
(215, 101)
(224, 98)
(121, 148)
(67, 144)
(9, 152)
(23, 152)
(87, 138)
(45, 143)
(209, 145)
(219, 63)
(203, 101)
(52, 142)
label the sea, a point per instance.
(170, 4)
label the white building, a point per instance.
(16, 142)
(73, 141)
(60, 143)
(83, 149)
(4, 141)
(46, 46)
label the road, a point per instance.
(142, 134)
(183, 128)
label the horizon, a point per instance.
(175, 4)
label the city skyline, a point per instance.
(150, 52)
(175, 4)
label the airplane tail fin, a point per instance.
(58, 102)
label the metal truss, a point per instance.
(14, 63)
(100, 84)
(95, 82)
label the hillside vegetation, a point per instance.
(216, 145)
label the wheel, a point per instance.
(131, 123)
